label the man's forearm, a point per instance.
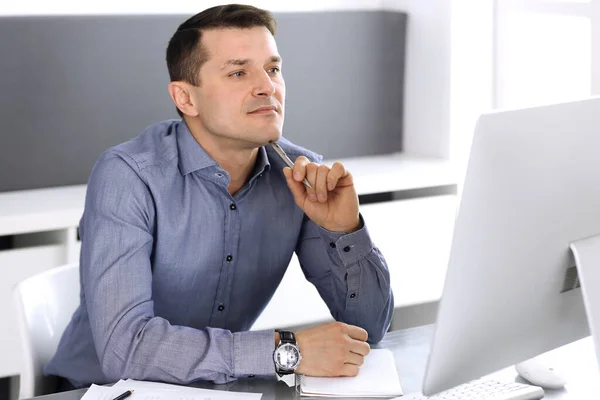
(156, 350)
(359, 277)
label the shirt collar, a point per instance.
(262, 162)
(192, 157)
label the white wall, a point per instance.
(427, 77)
(449, 73)
(472, 73)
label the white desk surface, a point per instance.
(40, 210)
(398, 171)
(576, 362)
(61, 207)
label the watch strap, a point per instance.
(287, 337)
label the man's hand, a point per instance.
(333, 349)
(332, 203)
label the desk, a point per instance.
(410, 347)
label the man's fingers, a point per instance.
(360, 348)
(358, 340)
(297, 188)
(355, 359)
(336, 172)
(300, 168)
(321, 183)
(311, 176)
(323, 178)
(349, 370)
(358, 333)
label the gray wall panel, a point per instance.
(345, 77)
(70, 87)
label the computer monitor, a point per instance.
(512, 288)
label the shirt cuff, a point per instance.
(349, 247)
(253, 354)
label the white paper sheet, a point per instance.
(161, 391)
(377, 377)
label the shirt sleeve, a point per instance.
(116, 276)
(350, 274)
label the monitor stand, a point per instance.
(587, 259)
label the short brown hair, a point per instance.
(185, 54)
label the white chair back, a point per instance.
(44, 305)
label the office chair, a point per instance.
(44, 306)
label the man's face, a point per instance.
(242, 93)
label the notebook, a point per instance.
(377, 377)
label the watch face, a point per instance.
(287, 356)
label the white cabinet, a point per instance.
(43, 226)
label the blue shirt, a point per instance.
(175, 270)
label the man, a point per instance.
(189, 228)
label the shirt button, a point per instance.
(347, 249)
(353, 295)
(221, 307)
(332, 245)
(232, 206)
(229, 257)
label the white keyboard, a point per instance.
(482, 389)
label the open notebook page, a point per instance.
(377, 377)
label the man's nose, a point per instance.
(263, 86)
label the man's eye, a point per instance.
(275, 70)
(237, 74)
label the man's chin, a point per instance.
(270, 137)
(273, 138)
(262, 135)
(262, 140)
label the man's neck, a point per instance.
(239, 162)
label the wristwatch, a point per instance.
(287, 354)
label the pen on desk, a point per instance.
(287, 160)
(124, 395)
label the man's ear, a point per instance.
(183, 99)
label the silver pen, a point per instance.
(287, 160)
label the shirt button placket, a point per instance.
(228, 258)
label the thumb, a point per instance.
(297, 188)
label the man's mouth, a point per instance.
(264, 110)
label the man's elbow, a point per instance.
(114, 368)
(376, 335)
(382, 324)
